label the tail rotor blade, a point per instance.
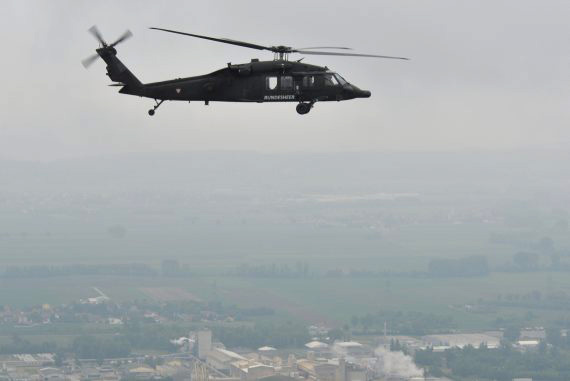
(95, 32)
(89, 60)
(128, 34)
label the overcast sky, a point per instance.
(484, 75)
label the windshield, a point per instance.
(340, 80)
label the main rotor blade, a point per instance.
(128, 34)
(347, 54)
(95, 32)
(224, 40)
(89, 60)
(324, 47)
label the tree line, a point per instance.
(135, 335)
(502, 364)
(45, 271)
(299, 270)
(471, 266)
(119, 344)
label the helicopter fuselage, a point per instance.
(256, 81)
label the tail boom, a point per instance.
(118, 72)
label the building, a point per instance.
(51, 374)
(460, 340)
(351, 348)
(173, 369)
(332, 370)
(409, 342)
(204, 344)
(222, 359)
(322, 371)
(251, 371)
(317, 346)
(526, 345)
(140, 372)
(533, 334)
(28, 360)
(350, 372)
(318, 330)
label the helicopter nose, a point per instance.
(351, 92)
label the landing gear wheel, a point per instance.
(304, 108)
(157, 105)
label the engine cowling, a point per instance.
(241, 70)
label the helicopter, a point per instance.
(279, 80)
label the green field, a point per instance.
(211, 250)
(313, 300)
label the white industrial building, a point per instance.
(247, 371)
(204, 344)
(332, 370)
(222, 359)
(460, 340)
(351, 348)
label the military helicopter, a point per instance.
(279, 80)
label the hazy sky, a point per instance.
(483, 75)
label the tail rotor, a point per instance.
(104, 48)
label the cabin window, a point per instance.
(308, 81)
(271, 83)
(286, 83)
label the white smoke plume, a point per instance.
(396, 364)
(341, 352)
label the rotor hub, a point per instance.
(281, 49)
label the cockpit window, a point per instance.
(330, 80)
(340, 80)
